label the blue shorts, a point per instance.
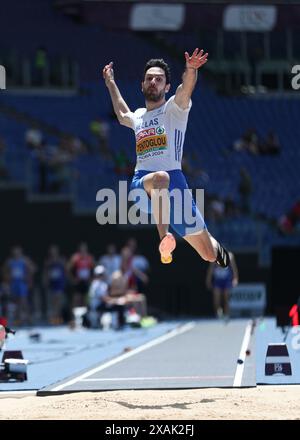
(19, 288)
(224, 284)
(56, 287)
(185, 217)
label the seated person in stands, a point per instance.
(123, 288)
(118, 297)
(96, 297)
(248, 142)
(100, 301)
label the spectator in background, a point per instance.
(100, 302)
(288, 222)
(100, 130)
(248, 142)
(4, 175)
(124, 283)
(73, 144)
(220, 280)
(98, 292)
(230, 208)
(77, 146)
(271, 144)
(245, 190)
(80, 268)
(19, 270)
(131, 271)
(118, 295)
(41, 67)
(216, 208)
(140, 265)
(126, 267)
(123, 165)
(111, 261)
(60, 165)
(55, 279)
(33, 137)
(44, 154)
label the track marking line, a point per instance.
(159, 340)
(240, 366)
(128, 379)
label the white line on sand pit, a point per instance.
(240, 366)
(159, 340)
(17, 393)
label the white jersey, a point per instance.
(98, 289)
(160, 136)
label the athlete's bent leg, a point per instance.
(208, 247)
(154, 184)
(159, 180)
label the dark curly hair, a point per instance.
(159, 63)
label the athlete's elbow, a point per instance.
(125, 121)
(122, 121)
(120, 117)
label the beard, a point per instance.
(152, 95)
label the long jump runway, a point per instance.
(201, 354)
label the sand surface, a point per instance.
(263, 402)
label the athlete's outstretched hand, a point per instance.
(196, 60)
(108, 73)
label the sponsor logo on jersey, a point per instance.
(145, 133)
(150, 140)
(151, 144)
(160, 130)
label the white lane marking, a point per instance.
(128, 379)
(277, 360)
(159, 340)
(240, 366)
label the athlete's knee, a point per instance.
(161, 179)
(208, 255)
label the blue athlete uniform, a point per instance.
(56, 276)
(222, 277)
(159, 146)
(18, 277)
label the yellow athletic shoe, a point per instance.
(166, 247)
(166, 260)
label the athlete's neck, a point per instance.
(151, 105)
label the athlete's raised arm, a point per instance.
(189, 78)
(120, 106)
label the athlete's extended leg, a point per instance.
(156, 185)
(208, 247)
(217, 302)
(226, 302)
